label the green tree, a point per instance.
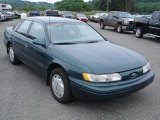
(72, 5)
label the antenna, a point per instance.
(50, 20)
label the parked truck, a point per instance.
(149, 26)
(120, 21)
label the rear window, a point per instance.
(34, 12)
(67, 13)
(52, 12)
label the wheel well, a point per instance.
(49, 70)
(119, 23)
(138, 25)
(101, 20)
(8, 44)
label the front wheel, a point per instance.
(139, 32)
(119, 28)
(102, 26)
(60, 88)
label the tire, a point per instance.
(119, 28)
(102, 26)
(158, 38)
(139, 32)
(60, 88)
(12, 57)
(134, 32)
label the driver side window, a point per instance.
(36, 31)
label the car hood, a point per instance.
(128, 19)
(104, 57)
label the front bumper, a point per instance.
(128, 27)
(101, 91)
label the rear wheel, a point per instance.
(102, 26)
(139, 32)
(134, 31)
(60, 88)
(119, 28)
(12, 57)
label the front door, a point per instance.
(154, 24)
(37, 54)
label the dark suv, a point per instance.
(51, 12)
(119, 20)
(149, 26)
(34, 13)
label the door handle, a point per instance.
(26, 46)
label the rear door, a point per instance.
(20, 37)
(154, 24)
(109, 19)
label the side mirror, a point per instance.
(39, 42)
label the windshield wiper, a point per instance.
(78, 42)
(65, 43)
(92, 41)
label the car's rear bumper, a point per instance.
(102, 91)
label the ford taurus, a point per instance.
(75, 60)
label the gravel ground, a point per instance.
(24, 95)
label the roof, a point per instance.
(47, 19)
(119, 11)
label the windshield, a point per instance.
(125, 15)
(72, 32)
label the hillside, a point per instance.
(147, 1)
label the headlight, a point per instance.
(102, 78)
(126, 22)
(146, 68)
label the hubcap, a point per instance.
(138, 32)
(11, 54)
(119, 28)
(101, 24)
(58, 86)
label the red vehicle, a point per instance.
(81, 17)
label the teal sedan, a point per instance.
(75, 60)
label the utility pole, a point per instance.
(107, 6)
(126, 6)
(108, 1)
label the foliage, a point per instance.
(146, 1)
(26, 5)
(148, 8)
(73, 5)
(134, 6)
(110, 5)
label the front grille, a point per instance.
(132, 74)
(131, 22)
